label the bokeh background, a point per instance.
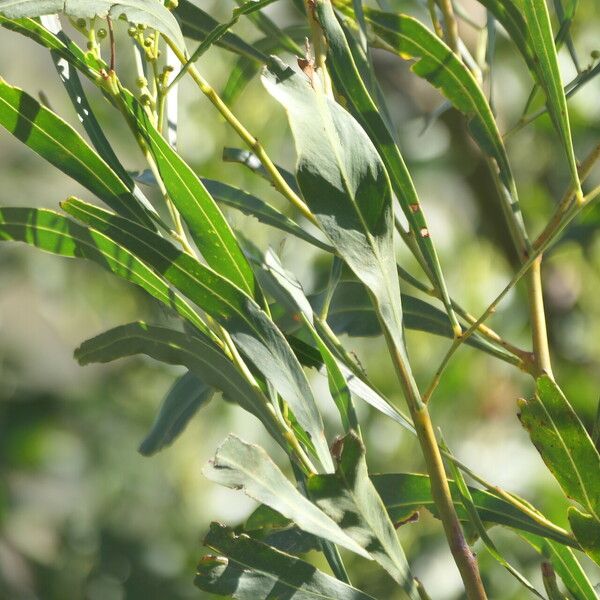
(83, 515)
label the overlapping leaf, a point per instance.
(349, 82)
(185, 398)
(571, 456)
(206, 222)
(345, 185)
(57, 142)
(239, 465)
(442, 68)
(198, 353)
(52, 232)
(249, 570)
(351, 500)
(254, 333)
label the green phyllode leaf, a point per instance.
(570, 455)
(196, 352)
(54, 233)
(185, 398)
(249, 570)
(208, 227)
(548, 73)
(351, 500)
(247, 467)
(436, 63)
(57, 142)
(254, 333)
(345, 185)
(146, 12)
(349, 83)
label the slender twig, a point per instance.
(278, 181)
(540, 246)
(450, 23)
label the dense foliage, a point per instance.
(244, 327)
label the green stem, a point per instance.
(440, 490)
(541, 350)
(451, 24)
(278, 181)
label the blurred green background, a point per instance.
(83, 515)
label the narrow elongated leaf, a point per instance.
(52, 232)
(196, 24)
(254, 333)
(185, 398)
(70, 79)
(349, 82)
(248, 467)
(198, 353)
(249, 570)
(346, 186)
(265, 213)
(542, 42)
(570, 455)
(405, 493)
(564, 444)
(206, 222)
(146, 12)
(442, 68)
(351, 500)
(57, 142)
(288, 290)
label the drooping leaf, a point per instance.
(253, 332)
(249, 570)
(57, 142)
(70, 79)
(346, 186)
(351, 500)
(52, 232)
(348, 81)
(239, 465)
(564, 444)
(198, 353)
(206, 222)
(286, 288)
(440, 66)
(542, 42)
(571, 456)
(185, 398)
(196, 24)
(146, 12)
